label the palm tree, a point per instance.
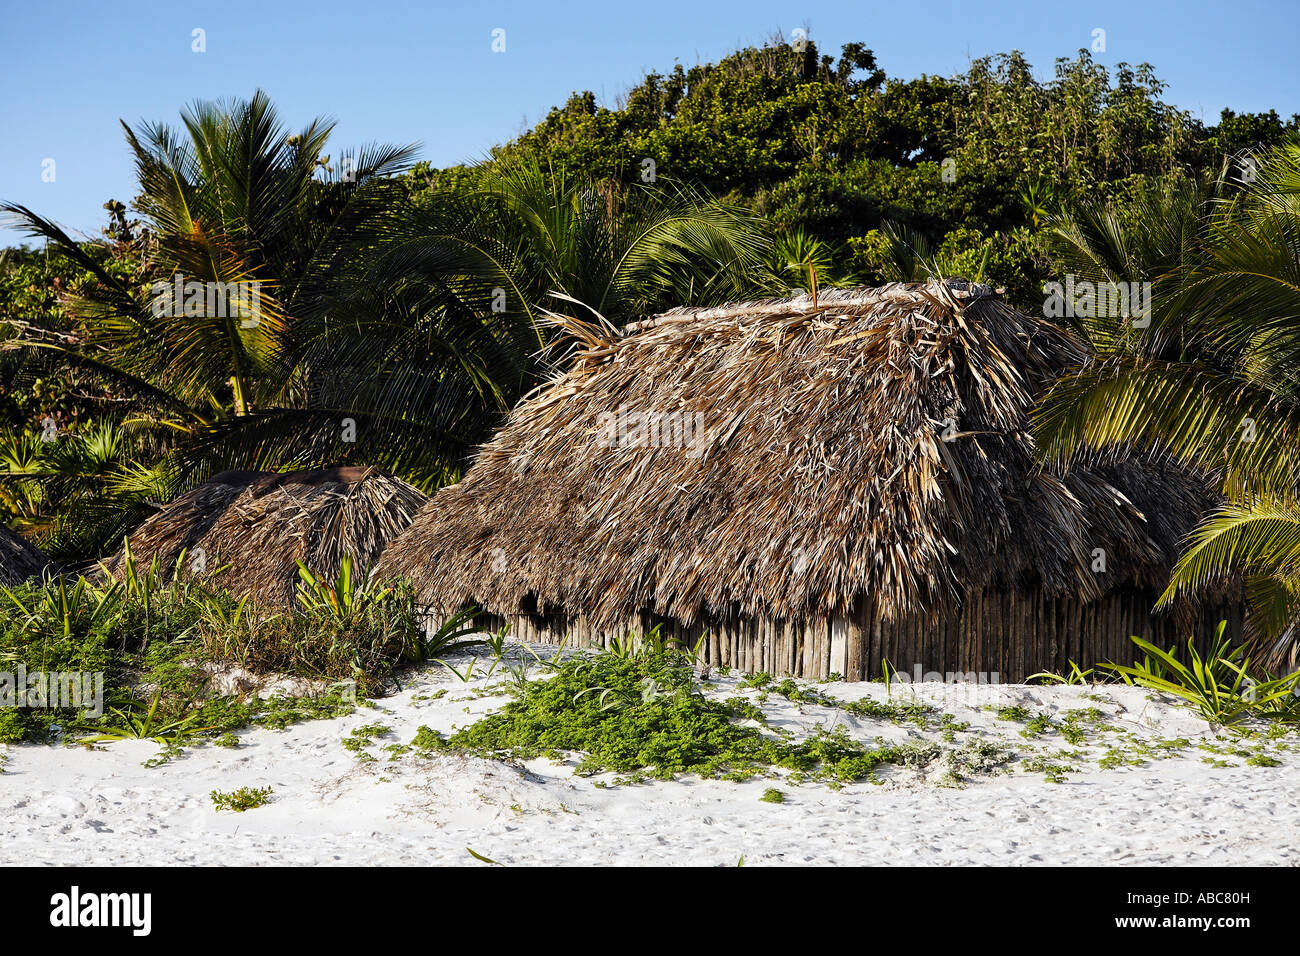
(531, 234)
(799, 260)
(378, 329)
(231, 201)
(1214, 381)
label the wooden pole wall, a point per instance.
(1012, 634)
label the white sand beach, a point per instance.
(1180, 794)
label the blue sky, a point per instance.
(407, 71)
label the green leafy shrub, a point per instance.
(1218, 685)
(646, 715)
(150, 636)
(344, 630)
(245, 798)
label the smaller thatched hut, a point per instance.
(260, 524)
(19, 558)
(817, 485)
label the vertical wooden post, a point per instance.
(839, 650)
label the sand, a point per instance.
(73, 805)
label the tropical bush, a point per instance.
(1218, 684)
(157, 635)
(1211, 379)
(363, 643)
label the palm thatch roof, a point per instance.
(872, 441)
(261, 524)
(19, 558)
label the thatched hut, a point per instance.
(19, 559)
(816, 484)
(260, 524)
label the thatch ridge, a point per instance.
(824, 473)
(19, 558)
(262, 523)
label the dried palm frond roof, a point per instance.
(823, 471)
(19, 558)
(261, 524)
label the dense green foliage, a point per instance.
(60, 427)
(155, 637)
(827, 146)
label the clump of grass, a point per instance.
(349, 629)
(1136, 751)
(978, 759)
(1116, 757)
(1076, 723)
(1052, 772)
(427, 740)
(772, 795)
(1016, 713)
(1262, 759)
(892, 710)
(362, 737)
(1038, 725)
(1076, 676)
(793, 692)
(245, 798)
(283, 710)
(895, 711)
